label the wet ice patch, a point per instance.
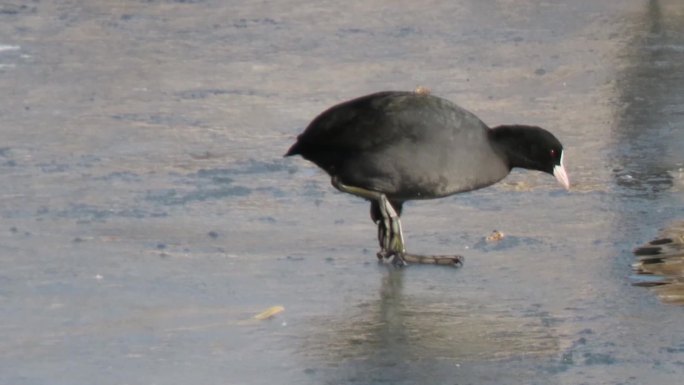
(14, 9)
(87, 213)
(219, 183)
(208, 184)
(255, 22)
(640, 182)
(204, 93)
(176, 197)
(7, 47)
(172, 120)
(674, 48)
(120, 176)
(227, 175)
(253, 166)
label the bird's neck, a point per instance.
(512, 142)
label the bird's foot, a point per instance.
(446, 260)
(395, 257)
(401, 259)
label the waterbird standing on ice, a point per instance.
(391, 147)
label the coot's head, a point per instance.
(533, 148)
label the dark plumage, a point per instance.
(390, 147)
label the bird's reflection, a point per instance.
(407, 332)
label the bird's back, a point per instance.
(405, 144)
(358, 124)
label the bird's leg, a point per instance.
(392, 238)
(390, 235)
(377, 218)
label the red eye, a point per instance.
(553, 153)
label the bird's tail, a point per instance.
(294, 150)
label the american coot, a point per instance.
(390, 147)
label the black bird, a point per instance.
(390, 147)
